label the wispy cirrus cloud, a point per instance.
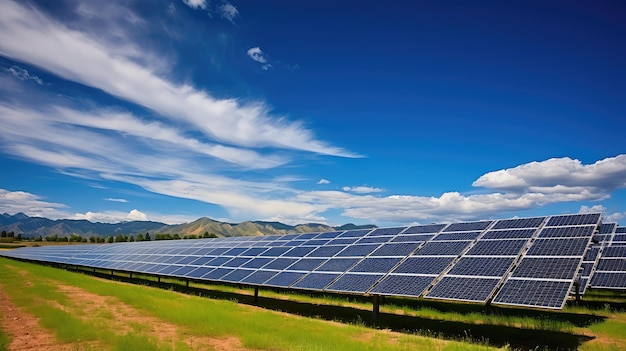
(362, 189)
(72, 54)
(228, 11)
(323, 181)
(115, 200)
(196, 4)
(22, 74)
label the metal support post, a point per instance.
(256, 295)
(376, 308)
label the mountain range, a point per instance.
(20, 223)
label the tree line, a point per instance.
(109, 239)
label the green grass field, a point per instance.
(91, 314)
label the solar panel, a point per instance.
(569, 220)
(354, 283)
(463, 289)
(519, 223)
(403, 285)
(460, 261)
(468, 226)
(620, 230)
(534, 293)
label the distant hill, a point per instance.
(38, 226)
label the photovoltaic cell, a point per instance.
(316, 281)
(424, 265)
(463, 289)
(259, 277)
(548, 268)
(442, 248)
(458, 236)
(533, 293)
(386, 231)
(284, 279)
(468, 226)
(579, 219)
(609, 280)
(376, 265)
(403, 285)
(519, 223)
(510, 234)
(424, 229)
(402, 249)
(337, 264)
(570, 232)
(357, 283)
(482, 266)
(559, 247)
(497, 247)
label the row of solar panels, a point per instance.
(604, 265)
(524, 262)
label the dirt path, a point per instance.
(24, 329)
(123, 318)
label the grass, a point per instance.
(202, 318)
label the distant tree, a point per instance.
(11, 234)
(131, 238)
(148, 237)
(209, 235)
(93, 239)
(3, 234)
(39, 238)
(139, 237)
(176, 237)
(110, 239)
(119, 238)
(19, 237)
(100, 239)
(52, 238)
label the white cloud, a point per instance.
(323, 181)
(196, 4)
(228, 12)
(32, 205)
(257, 55)
(112, 216)
(126, 72)
(115, 200)
(559, 174)
(22, 74)
(592, 209)
(614, 217)
(362, 189)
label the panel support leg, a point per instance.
(158, 279)
(187, 283)
(256, 295)
(375, 308)
(130, 276)
(577, 289)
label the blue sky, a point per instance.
(389, 113)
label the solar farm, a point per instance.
(537, 263)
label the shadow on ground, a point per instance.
(489, 334)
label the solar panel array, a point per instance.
(545, 272)
(524, 262)
(610, 269)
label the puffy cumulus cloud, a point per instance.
(323, 181)
(592, 209)
(22, 74)
(112, 216)
(559, 175)
(196, 4)
(614, 217)
(32, 205)
(127, 71)
(228, 11)
(362, 189)
(136, 215)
